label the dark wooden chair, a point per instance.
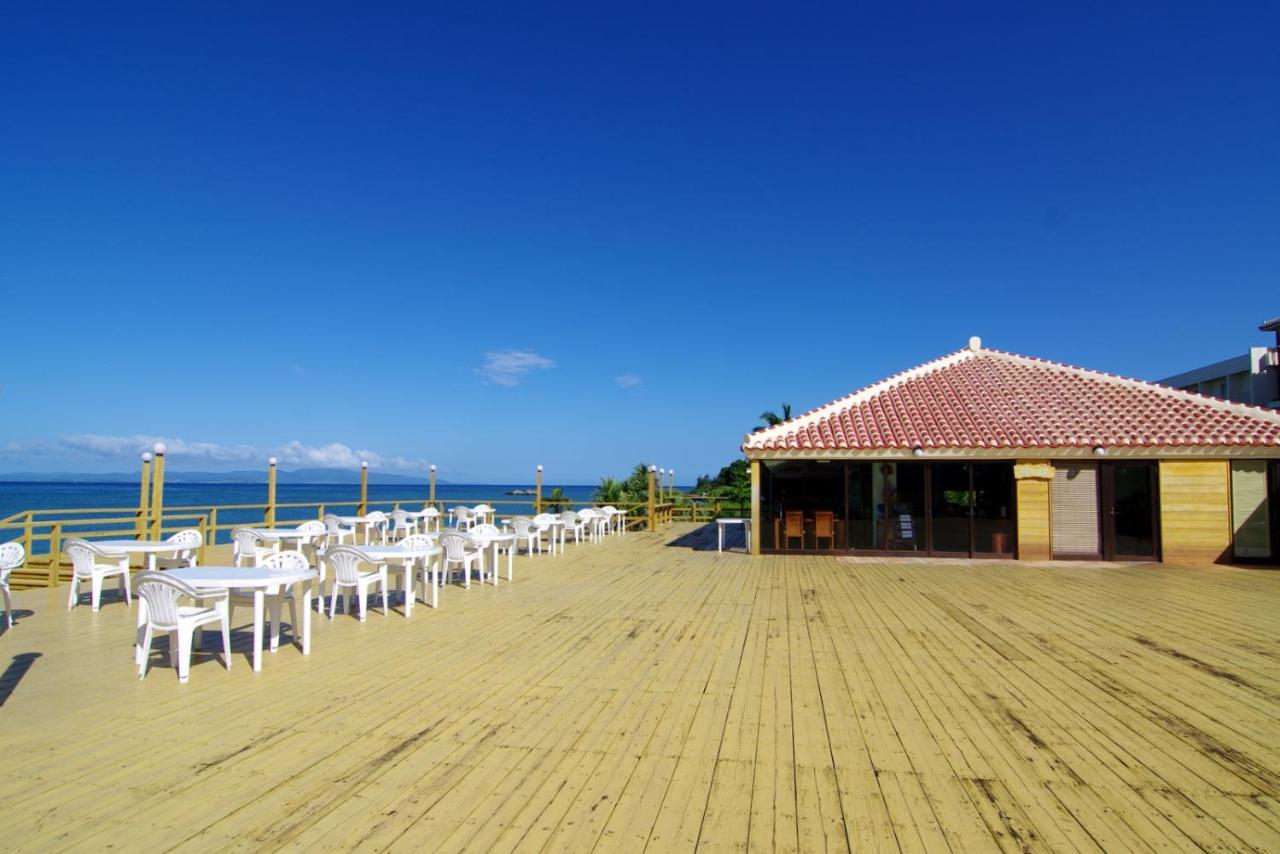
(793, 528)
(824, 528)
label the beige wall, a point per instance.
(1033, 479)
(1195, 511)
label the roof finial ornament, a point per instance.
(975, 343)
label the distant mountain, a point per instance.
(171, 476)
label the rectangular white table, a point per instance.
(261, 582)
(722, 523)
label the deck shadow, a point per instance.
(703, 539)
(14, 672)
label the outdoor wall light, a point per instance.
(271, 461)
(159, 448)
(433, 466)
(1100, 451)
(652, 469)
(364, 465)
(146, 457)
(917, 452)
(539, 468)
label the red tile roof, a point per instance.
(986, 399)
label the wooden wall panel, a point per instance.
(1033, 510)
(1195, 511)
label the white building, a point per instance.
(1253, 377)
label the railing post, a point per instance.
(212, 539)
(203, 523)
(320, 512)
(157, 492)
(755, 508)
(26, 533)
(431, 497)
(271, 493)
(364, 490)
(653, 518)
(537, 500)
(144, 485)
(55, 553)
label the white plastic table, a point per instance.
(278, 534)
(489, 543)
(556, 526)
(148, 548)
(261, 582)
(720, 526)
(356, 522)
(381, 555)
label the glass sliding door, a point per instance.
(952, 509)
(1129, 516)
(901, 498)
(993, 511)
(803, 505)
(861, 515)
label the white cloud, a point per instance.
(508, 367)
(627, 380)
(295, 453)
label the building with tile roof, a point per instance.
(987, 453)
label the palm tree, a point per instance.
(609, 491)
(555, 502)
(772, 419)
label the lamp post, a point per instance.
(432, 495)
(653, 518)
(671, 485)
(157, 491)
(537, 495)
(364, 490)
(140, 528)
(271, 493)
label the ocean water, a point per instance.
(19, 497)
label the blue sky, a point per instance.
(493, 236)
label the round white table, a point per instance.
(406, 558)
(720, 526)
(148, 548)
(262, 583)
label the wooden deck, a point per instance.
(647, 692)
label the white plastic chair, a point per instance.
(12, 556)
(310, 547)
(485, 512)
(611, 518)
(159, 594)
(339, 535)
(289, 560)
(593, 522)
(507, 548)
(346, 561)
(430, 519)
(426, 571)
(462, 518)
(527, 532)
(248, 546)
(544, 522)
(92, 564)
(572, 522)
(375, 524)
(401, 527)
(190, 540)
(461, 551)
